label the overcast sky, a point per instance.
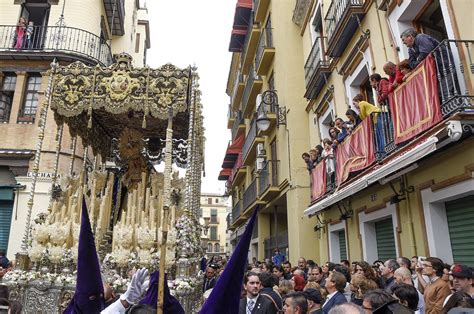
(195, 32)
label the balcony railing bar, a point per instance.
(57, 39)
(315, 60)
(236, 211)
(250, 137)
(250, 194)
(336, 11)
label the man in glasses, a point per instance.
(437, 290)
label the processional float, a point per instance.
(129, 120)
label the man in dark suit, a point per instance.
(253, 302)
(335, 285)
(210, 278)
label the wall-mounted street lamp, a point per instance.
(268, 102)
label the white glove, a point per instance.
(136, 287)
(114, 308)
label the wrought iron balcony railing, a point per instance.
(246, 101)
(266, 41)
(342, 19)
(277, 241)
(268, 176)
(236, 211)
(238, 120)
(250, 137)
(316, 59)
(250, 194)
(454, 92)
(57, 41)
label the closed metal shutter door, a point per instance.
(460, 215)
(342, 245)
(6, 208)
(385, 239)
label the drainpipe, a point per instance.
(411, 230)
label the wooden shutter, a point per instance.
(385, 239)
(460, 216)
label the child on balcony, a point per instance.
(328, 154)
(20, 33)
(404, 67)
(29, 35)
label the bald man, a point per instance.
(403, 275)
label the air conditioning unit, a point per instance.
(260, 163)
(259, 99)
(261, 150)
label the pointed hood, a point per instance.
(171, 304)
(89, 295)
(225, 296)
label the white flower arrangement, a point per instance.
(25, 277)
(56, 253)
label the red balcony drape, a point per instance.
(318, 180)
(356, 152)
(415, 105)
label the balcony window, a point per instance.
(30, 102)
(213, 234)
(6, 96)
(209, 247)
(217, 247)
(213, 215)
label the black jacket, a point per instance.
(263, 305)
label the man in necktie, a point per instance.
(254, 302)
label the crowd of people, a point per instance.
(420, 285)
(419, 46)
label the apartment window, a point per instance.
(213, 233)
(337, 241)
(209, 201)
(213, 215)
(30, 102)
(217, 247)
(6, 96)
(200, 212)
(325, 121)
(217, 200)
(209, 247)
(378, 232)
(137, 43)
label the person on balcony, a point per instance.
(309, 164)
(333, 134)
(328, 154)
(29, 35)
(354, 120)
(365, 110)
(381, 85)
(20, 33)
(405, 69)
(395, 76)
(343, 131)
(419, 45)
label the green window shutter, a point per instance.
(385, 239)
(213, 233)
(342, 244)
(6, 209)
(460, 216)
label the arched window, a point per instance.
(209, 247)
(217, 247)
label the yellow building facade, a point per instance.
(87, 31)
(413, 198)
(213, 219)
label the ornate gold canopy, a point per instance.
(109, 99)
